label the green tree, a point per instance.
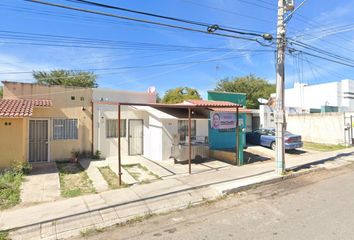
(1, 92)
(66, 78)
(253, 86)
(178, 95)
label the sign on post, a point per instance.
(223, 120)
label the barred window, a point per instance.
(112, 126)
(65, 129)
(183, 129)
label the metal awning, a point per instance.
(184, 108)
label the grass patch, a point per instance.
(111, 178)
(140, 173)
(73, 180)
(322, 147)
(130, 168)
(90, 232)
(4, 235)
(10, 183)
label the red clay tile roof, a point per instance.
(218, 106)
(233, 110)
(210, 103)
(21, 107)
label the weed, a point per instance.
(97, 155)
(90, 231)
(322, 147)
(111, 178)
(73, 180)
(4, 235)
(10, 182)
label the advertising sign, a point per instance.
(222, 120)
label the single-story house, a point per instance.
(50, 122)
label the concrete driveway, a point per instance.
(255, 153)
(41, 185)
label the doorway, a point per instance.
(135, 135)
(38, 141)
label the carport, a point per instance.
(191, 108)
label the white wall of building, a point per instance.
(160, 129)
(328, 128)
(109, 146)
(340, 94)
(107, 95)
(102, 112)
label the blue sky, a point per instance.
(326, 24)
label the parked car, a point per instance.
(266, 137)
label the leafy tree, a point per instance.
(178, 95)
(1, 92)
(66, 78)
(253, 86)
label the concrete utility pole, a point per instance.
(279, 111)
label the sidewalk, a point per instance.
(69, 217)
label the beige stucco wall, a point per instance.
(63, 107)
(13, 145)
(326, 128)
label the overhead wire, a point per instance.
(143, 20)
(135, 67)
(198, 23)
(69, 41)
(319, 50)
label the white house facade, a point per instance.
(338, 94)
(145, 130)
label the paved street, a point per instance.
(318, 205)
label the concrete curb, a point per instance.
(162, 205)
(271, 181)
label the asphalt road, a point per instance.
(319, 205)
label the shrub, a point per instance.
(97, 155)
(21, 167)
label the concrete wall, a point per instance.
(13, 144)
(328, 128)
(68, 103)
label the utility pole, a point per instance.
(280, 77)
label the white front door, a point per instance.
(136, 132)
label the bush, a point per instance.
(97, 155)
(21, 167)
(10, 182)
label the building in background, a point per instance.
(325, 97)
(321, 113)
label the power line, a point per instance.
(143, 21)
(318, 50)
(258, 5)
(227, 11)
(208, 25)
(68, 41)
(138, 67)
(321, 57)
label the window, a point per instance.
(72, 97)
(183, 129)
(112, 126)
(82, 99)
(65, 129)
